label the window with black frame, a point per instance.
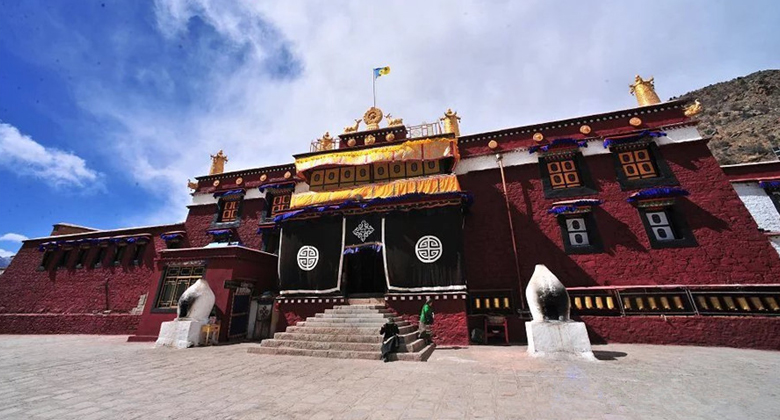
(138, 252)
(228, 209)
(100, 257)
(82, 255)
(640, 165)
(64, 258)
(45, 259)
(579, 232)
(666, 227)
(565, 175)
(119, 253)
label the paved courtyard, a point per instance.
(91, 377)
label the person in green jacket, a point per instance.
(426, 321)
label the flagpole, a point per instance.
(373, 76)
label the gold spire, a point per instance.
(218, 163)
(451, 122)
(644, 91)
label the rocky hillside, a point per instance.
(4, 261)
(742, 116)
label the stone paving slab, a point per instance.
(97, 377)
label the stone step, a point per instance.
(336, 354)
(357, 311)
(420, 356)
(365, 330)
(382, 316)
(346, 332)
(415, 346)
(347, 321)
(360, 307)
(342, 338)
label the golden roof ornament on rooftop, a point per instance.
(644, 90)
(451, 124)
(218, 163)
(693, 109)
(326, 142)
(353, 128)
(372, 117)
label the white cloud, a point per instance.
(4, 253)
(13, 237)
(22, 155)
(499, 64)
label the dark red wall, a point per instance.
(74, 300)
(200, 218)
(222, 264)
(731, 249)
(745, 332)
(450, 326)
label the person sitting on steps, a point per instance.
(390, 339)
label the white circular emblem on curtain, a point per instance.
(308, 257)
(428, 249)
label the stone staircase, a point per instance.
(346, 332)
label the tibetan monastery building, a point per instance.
(628, 208)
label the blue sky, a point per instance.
(107, 107)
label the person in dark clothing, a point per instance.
(390, 338)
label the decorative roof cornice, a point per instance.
(573, 122)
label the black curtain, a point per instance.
(323, 234)
(443, 249)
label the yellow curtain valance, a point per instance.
(424, 149)
(428, 185)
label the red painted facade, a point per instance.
(240, 264)
(76, 300)
(729, 249)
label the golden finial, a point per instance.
(644, 91)
(451, 122)
(693, 108)
(353, 128)
(218, 163)
(326, 142)
(392, 122)
(192, 185)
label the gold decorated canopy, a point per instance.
(424, 149)
(429, 185)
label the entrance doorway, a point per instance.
(364, 273)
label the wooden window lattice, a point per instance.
(563, 174)
(175, 282)
(637, 164)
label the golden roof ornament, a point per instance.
(451, 122)
(192, 185)
(352, 128)
(372, 117)
(218, 163)
(693, 109)
(644, 90)
(392, 122)
(326, 142)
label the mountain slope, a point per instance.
(4, 261)
(742, 116)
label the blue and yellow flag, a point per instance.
(381, 71)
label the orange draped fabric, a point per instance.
(427, 185)
(424, 149)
